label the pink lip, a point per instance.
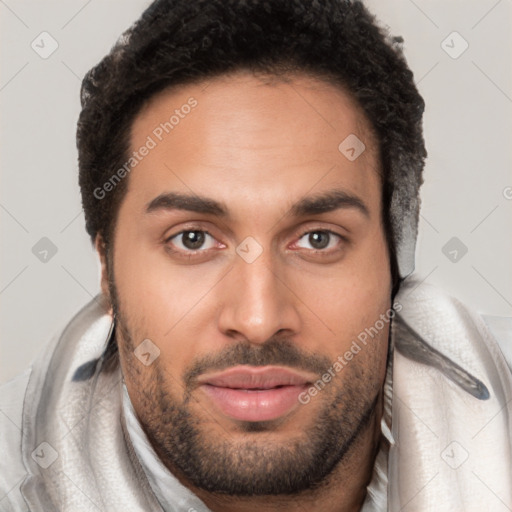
(250, 393)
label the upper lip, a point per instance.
(256, 377)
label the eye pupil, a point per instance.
(319, 239)
(193, 239)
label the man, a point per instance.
(250, 174)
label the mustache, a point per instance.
(279, 352)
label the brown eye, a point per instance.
(192, 240)
(318, 240)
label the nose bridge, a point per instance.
(257, 304)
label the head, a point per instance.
(250, 175)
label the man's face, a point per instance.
(250, 251)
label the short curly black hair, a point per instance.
(178, 42)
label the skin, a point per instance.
(257, 146)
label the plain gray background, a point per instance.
(468, 183)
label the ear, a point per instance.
(100, 247)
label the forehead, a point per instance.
(240, 137)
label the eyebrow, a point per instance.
(315, 205)
(191, 203)
(328, 202)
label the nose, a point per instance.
(258, 302)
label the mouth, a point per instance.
(255, 393)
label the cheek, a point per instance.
(354, 294)
(360, 331)
(151, 287)
(163, 303)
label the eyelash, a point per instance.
(190, 253)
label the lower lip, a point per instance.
(255, 405)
